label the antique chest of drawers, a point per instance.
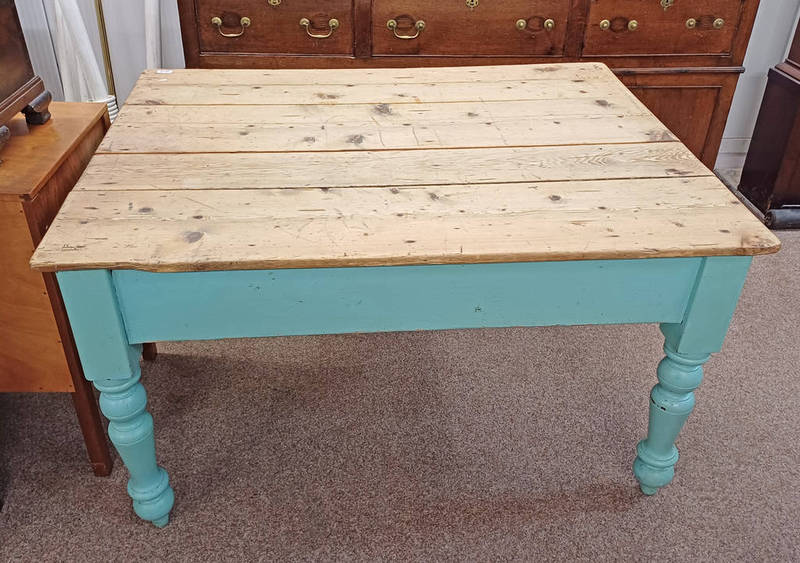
(682, 58)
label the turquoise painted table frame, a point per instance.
(113, 312)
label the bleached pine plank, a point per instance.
(491, 73)
(389, 168)
(564, 167)
(239, 230)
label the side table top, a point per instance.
(34, 153)
(259, 169)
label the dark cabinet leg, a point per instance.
(37, 112)
(92, 427)
(149, 351)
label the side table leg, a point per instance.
(688, 345)
(112, 364)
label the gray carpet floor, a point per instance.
(478, 445)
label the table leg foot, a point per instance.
(124, 402)
(671, 401)
(649, 491)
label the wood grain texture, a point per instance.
(23, 171)
(572, 181)
(485, 35)
(31, 357)
(388, 168)
(709, 94)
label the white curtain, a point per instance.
(81, 76)
(152, 33)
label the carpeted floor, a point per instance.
(464, 446)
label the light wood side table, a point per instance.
(38, 167)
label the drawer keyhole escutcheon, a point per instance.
(333, 25)
(472, 4)
(216, 21)
(419, 25)
(274, 2)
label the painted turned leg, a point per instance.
(688, 345)
(111, 363)
(671, 401)
(131, 431)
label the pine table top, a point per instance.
(262, 169)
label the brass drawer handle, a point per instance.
(419, 26)
(333, 24)
(692, 23)
(274, 2)
(633, 25)
(666, 4)
(548, 24)
(217, 22)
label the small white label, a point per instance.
(163, 71)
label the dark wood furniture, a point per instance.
(771, 174)
(39, 167)
(20, 89)
(682, 58)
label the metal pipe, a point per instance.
(101, 27)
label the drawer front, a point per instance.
(275, 26)
(469, 27)
(645, 27)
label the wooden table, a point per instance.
(240, 203)
(38, 167)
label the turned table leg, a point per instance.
(112, 364)
(671, 401)
(688, 345)
(124, 402)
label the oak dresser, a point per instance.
(682, 58)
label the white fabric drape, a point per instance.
(81, 76)
(152, 33)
